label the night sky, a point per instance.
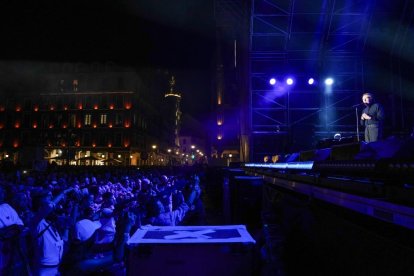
(177, 36)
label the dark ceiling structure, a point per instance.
(364, 45)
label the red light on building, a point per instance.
(63, 144)
(2, 108)
(64, 126)
(95, 106)
(34, 125)
(65, 107)
(17, 124)
(109, 145)
(79, 125)
(36, 108)
(80, 106)
(1, 126)
(127, 124)
(51, 126)
(111, 106)
(18, 108)
(110, 125)
(52, 107)
(93, 144)
(94, 125)
(126, 143)
(77, 143)
(15, 144)
(128, 106)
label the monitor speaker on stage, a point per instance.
(293, 157)
(315, 155)
(308, 155)
(345, 151)
(389, 148)
(322, 154)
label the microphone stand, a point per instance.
(357, 122)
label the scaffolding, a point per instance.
(305, 39)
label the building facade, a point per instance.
(84, 114)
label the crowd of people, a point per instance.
(66, 221)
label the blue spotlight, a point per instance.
(272, 81)
(329, 81)
(289, 81)
(311, 81)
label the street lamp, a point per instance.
(154, 158)
(229, 159)
(192, 153)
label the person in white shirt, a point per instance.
(47, 242)
(10, 228)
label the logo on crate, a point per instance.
(204, 234)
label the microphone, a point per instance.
(356, 105)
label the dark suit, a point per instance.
(373, 127)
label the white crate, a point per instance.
(191, 250)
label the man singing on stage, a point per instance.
(372, 117)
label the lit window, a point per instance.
(88, 118)
(72, 120)
(104, 118)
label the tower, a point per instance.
(173, 99)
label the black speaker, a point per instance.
(392, 147)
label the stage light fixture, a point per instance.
(272, 81)
(329, 81)
(289, 81)
(311, 81)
